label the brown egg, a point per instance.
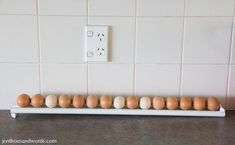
(213, 104)
(23, 100)
(158, 102)
(106, 101)
(64, 101)
(199, 103)
(37, 100)
(171, 103)
(78, 101)
(92, 101)
(185, 103)
(132, 102)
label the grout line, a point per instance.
(182, 52)
(87, 64)
(39, 47)
(135, 44)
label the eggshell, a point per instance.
(92, 101)
(185, 103)
(158, 102)
(51, 101)
(78, 101)
(199, 103)
(119, 102)
(171, 103)
(37, 100)
(213, 104)
(132, 102)
(106, 102)
(64, 101)
(145, 102)
(23, 100)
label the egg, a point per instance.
(51, 101)
(145, 102)
(92, 101)
(185, 103)
(158, 102)
(199, 103)
(105, 102)
(78, 101)
(64, 101)
(171, 103)
(213, 104)
(37, 100)
(23, 100)
(119, 102)
(132, 102)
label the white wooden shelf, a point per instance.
(98, 111)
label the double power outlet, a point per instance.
(96, 43)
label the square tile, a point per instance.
(121, 37)
(62, 38)
(205, 80)
(63, 7)
(111, 7)
(160, 7)
(231, 91)
(209, 7)
(159, 40)
(157, 79)
(17, 79)
(110, 79)
(19, 38)
(18, 7)
(64, 78)
(207, 40)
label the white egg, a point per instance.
(51, 101)
(145, 103)
(119, 102)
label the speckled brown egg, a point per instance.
(171, 103)
(37, 100)
(185, 103)
(132, 102)
(92, 101)
(106, 102)
(158, 102)
(23, 100)
(199, 103)
(64, 101)
(78, 101)
(213, 104)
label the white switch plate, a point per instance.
(96, 43)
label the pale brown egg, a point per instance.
(78, 101)
(23, 100)
(64, 101)
(199, 103)
(37, 100)
(132, 102)
(171, 103)
(92, 101)
(185, 103)
(213, 104)
(106, 102)
(158, 102)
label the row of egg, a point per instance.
(131, 102)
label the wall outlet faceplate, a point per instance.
(96, 43)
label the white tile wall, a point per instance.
(207, 40)
(205, 80)
(17, 79)
(157, 47)
(63, 7)
(64, 78)
(152, 79)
